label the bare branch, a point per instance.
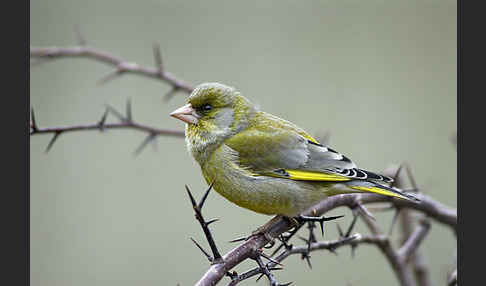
(322, 245)
(414, 240)
(120, 66)
(417, 258)
(126, 122)
(216, 258)
(426, 205)
(122, 125)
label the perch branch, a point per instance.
(426, 205)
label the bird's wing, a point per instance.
(276, 147)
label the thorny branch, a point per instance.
(216, 272)
(126, 122)
(216, 258)
(45, 54)
(121, 66)
(417, 259)
(399, 258)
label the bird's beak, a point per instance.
(186, 113)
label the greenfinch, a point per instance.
(264, 163)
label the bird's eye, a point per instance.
(206, 107)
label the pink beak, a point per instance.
(186, 113)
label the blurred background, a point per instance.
(380, 76)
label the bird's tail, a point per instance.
(371, 187)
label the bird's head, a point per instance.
(213, 112)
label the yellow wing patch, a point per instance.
(377, 190)
(299, 175)
(310, 138)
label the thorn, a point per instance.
(171, 93)
(53, 139)
(209, 257)
(201, 203)
(307, 257)
(116, 113)
(285, 239)
(79, 36)
(211, 221)
(144, 143)
(320, 220)
(332, 250)
(102, 121)
(261, 275)
(321, 223)
(340, 231)
(303, 239)
(194, 205)
(264, 269)
(129, 111)
(269, 258)
(411, 177)
(353, 249)
(237, 239)
(158, 58)
(351, 226)
(33, 123)
(110, 76)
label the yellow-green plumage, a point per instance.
(264, 163)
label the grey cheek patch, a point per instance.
(224, 118)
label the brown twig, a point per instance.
(413, 241)
(321, 245)
(126, 122)
(427, 205)
(417, 258)
(120, 65)
(197, 207)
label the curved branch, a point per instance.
(427, 205)
(121, 66)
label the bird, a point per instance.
(264, 163)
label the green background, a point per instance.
(379, 75)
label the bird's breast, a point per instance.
(259, 193)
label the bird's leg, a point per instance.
(265, 228)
